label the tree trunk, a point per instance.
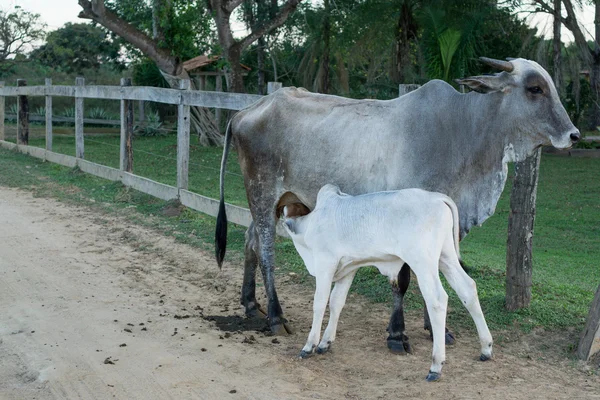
(406, 31)
(23, 117)
(556, 47)
(595, 71)
(261, 65)
(520, 233)
(324, 81)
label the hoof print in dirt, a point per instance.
(249, 339)
(108, 360)
(275, 341)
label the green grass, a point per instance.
(566, 269)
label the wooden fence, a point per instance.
(184, 98)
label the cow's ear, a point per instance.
(486, 83)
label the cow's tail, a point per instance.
(221, 229)
(455, 225)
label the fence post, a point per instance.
(218, 88)
(126, 163)
(23, 122)
(141, 112)
(2, 115)
(48, 116)
(520, 233)
(272, 87)
(183, 138)
(79, 149)
(589, 342)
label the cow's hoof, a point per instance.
(484, 357)
(399, 347)
(433, 376)
(450, 340)
(281, 327)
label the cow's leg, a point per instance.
(248, 297)
(265, 227)
(450, 340)
(336, 303)
(466, 289)
(397, 341)
(436, 301)
(324, 278)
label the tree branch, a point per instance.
(273, 23)
(96, 11)
(232, 5)
(573, 26)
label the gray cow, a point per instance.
(293, 142)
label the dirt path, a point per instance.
(91, 308)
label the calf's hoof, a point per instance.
(484, 357)
(399, 346)
(324, 349)
(433, 376)
(305, 354)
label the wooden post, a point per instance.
(218, 88)
(126, 153)
(202, 82)
(141, 112)
(589, 343)
(48, 117)
(79, 149)
(405, 88)
(183, 139)
(272, 87)
(23, 122)
(2, 115)
(520, 233)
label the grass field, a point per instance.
(566, 244)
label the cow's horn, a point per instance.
(501, 65)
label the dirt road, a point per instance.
(93, 308)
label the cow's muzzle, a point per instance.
(575, 136)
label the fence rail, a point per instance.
(184, 98)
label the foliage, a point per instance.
(186, 27)
(18, 30)
(97, 113)
(76, 47)
(151, 126)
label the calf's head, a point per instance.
(530, 106)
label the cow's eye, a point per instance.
(535, 90)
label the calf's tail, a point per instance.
(455, 226)
(221, 229)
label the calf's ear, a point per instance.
(487, 83)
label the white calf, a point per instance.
(384, 229)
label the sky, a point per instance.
(55, 13)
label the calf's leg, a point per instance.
(436, 301)
(324, 278)
(466, 289)
(337, 300)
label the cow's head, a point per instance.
(531, 100)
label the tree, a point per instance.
(18, 29)
(75, 47)
(590, 54)
(155, 45)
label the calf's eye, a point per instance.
(535, 90)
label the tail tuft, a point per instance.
(221, 235)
